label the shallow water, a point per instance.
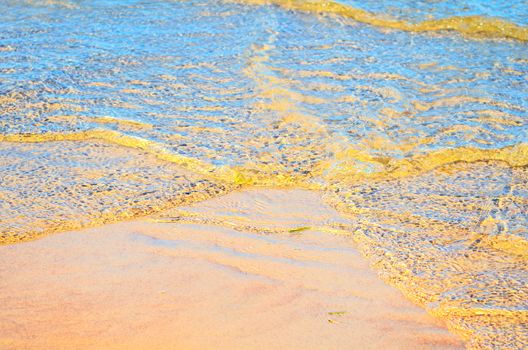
(416, 11)
(412, 120)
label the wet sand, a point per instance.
(249, 270)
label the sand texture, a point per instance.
(250, 270)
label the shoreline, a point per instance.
(252, 271)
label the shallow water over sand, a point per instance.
(411, 121)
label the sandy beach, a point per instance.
(248, 270)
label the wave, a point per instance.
(472, 26)
(345, 165)
(234, 175)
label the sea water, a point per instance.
(411, 117)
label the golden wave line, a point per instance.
(237, 175)
(460, 311)
(116, 138)
(474, 26)
(346, 167)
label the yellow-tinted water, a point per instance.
(469, 25)
(415, 129)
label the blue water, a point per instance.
(388, 123)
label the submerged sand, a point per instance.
(249, 270)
